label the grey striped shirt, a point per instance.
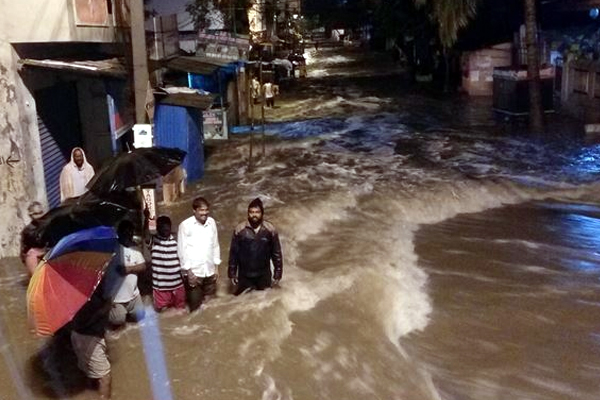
(166, 270)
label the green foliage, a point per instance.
(235, 13)
(450, 16)
(401, 17)
(199, 11)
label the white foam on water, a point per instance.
(518, 242)
(271, 392)
(402, 301)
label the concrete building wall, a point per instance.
(21, 181)
(21, 169)
(177, 7)
(47, 21)
(94, 120)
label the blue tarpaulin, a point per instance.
(215, 83)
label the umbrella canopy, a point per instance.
(67, 276)
(76, 214)
(134, 168)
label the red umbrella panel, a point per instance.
(67, 277)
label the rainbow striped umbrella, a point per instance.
(67, 276)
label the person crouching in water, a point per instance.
(255, 243)
(167, 284)
(122, 280)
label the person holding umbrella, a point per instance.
(122, 281)
(88, 341)
(66, 291)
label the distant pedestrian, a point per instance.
(199, 253)
(254, 245)
(167, 284)
(123, 280)
(32, 247)
(75, 175)
(269, 94)
(255, 90)
(316, 45)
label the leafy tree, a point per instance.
(234, 12)
(450, 16)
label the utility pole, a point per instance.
(139, 60)
(536, 110)
(140, 87)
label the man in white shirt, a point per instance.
(199, 253)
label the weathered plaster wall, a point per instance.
(20, 166)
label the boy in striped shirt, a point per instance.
(167, 283)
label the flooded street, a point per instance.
(430, 252)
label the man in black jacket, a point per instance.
(254, 245)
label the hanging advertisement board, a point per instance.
(214, 124)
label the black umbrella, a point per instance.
(76, 214)
(134, 168)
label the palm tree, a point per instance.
(450, 16)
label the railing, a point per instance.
(580, 90)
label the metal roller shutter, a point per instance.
(53, 161)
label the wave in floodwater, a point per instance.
(348, 194)
(348, 183)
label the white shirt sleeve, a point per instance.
(181, 246)
(133, 257)
(216, 247)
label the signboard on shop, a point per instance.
(149, 195)
(142, 137)
(223, 45)
(214, 124)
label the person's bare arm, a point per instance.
(104, 386)
(136, 269)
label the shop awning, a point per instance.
(184, 97)
(196, 64)
(112, 67)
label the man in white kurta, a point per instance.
(199, 253)
(75, 175)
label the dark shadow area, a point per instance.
(53, 371)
